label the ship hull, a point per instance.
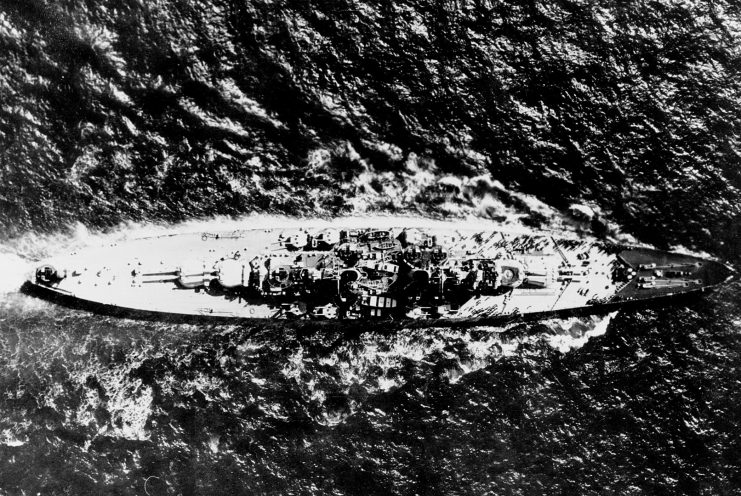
(432, 276)
(114, 311)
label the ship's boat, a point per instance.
(397, 273)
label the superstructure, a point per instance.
(364, 273)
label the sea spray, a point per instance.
(17, 255)
(378, 364)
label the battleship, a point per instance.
(364, 274)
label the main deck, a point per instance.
(397, 273)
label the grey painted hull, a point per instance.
(427, 275)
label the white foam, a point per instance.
(130, 413)
(14, 270)
(576, 336)
(378, 364)
(8, 438)
(35, 246)
(686, 251)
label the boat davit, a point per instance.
(460, 275)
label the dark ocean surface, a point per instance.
(95, 405)
(121, 118)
